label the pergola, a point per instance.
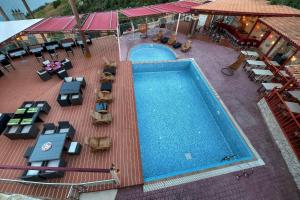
(179, 8)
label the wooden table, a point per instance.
(250, 54)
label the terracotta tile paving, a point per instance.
(270, 182)
(23, 84)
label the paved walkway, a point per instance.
(270, 182)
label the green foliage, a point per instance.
(291, 3)
(56, 3)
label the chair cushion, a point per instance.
(63, 97)
(28, 105)
(68, 79)
(79, 79)
(46, 62)
(75, 96)
(40, 105)
(64, 130)
(73, 147)
(49, 132)
(13, 129)
(26, 129)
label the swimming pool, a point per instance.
(151, 52)
(183, 125)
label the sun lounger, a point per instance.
(98, 143)
(103, 96)
(186, 46)
(158, 36)
(106, 76)
(99, 118)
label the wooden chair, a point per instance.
(158, 36)
(186, 46)
(109, 63)
(106, 76)
(172, 40)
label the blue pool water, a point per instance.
(151, 52)
(182, 126)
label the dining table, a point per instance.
(48, 147)
(73, 87)
(53, 66)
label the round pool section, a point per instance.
(151, 52)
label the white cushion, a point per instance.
(40, 105)
(72, 147)
(79, 78)
(46, 62)
(34, 172)
(63, 97)
(52, 163)
(13, 129)
(49, 132)
(26, 129)
(75, 96)
(64, 130)
(28, 105)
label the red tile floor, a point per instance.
(23, 84)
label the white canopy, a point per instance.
(9, 29)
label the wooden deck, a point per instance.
(23, 84)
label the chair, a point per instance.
(6, 64)
(74, 148)
(109, 63)
(28, 152)
(33, 175)
(66, 64)
(66, 127)
(46, 174)
(76, 99)
(49, 128)
(164, 40)
(46, 62)
(98, 143)
(62, 74)
(27, 104)
(68, 49)
(39, 56)
(106, 76)
(12, 132)
(158, 36)
(100, 119)
(172, 40)
(103, 96)
(177, 45)
(63, 100)
(186, 46)
(82, 48)
(44, 75)
(43, 105)
(102, 107)
(53, 53)
(81, 80)
(68, 79)
(111, 70)
(106, 86)
(29, 131)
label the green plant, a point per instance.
(56, 3)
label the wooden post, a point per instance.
(32, 16)
(3, 14)
(75, 12)
(176, 31)
(272, 47)
(256, 22)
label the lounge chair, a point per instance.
(186, 46)
(106, 76)
(98, 143)
(103, 96)
(109, 63)
(172, 40)
(100, 119)
(158, 36)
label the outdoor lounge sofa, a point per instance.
(186, 46)
(172, 40)
(158, 36)
(100, 119)
(109, 63)
(106, 76)
(103, 96)
(98, 143)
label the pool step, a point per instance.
(151, 186)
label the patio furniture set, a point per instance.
(48, 149)
(22, 124)
(71, 91)
(54, 67)
(104, 94)
(185, 47)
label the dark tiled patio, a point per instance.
(272, 181)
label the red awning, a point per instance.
(101, 21)
(53, 24)
(174, 7)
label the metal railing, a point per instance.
(74, 189)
